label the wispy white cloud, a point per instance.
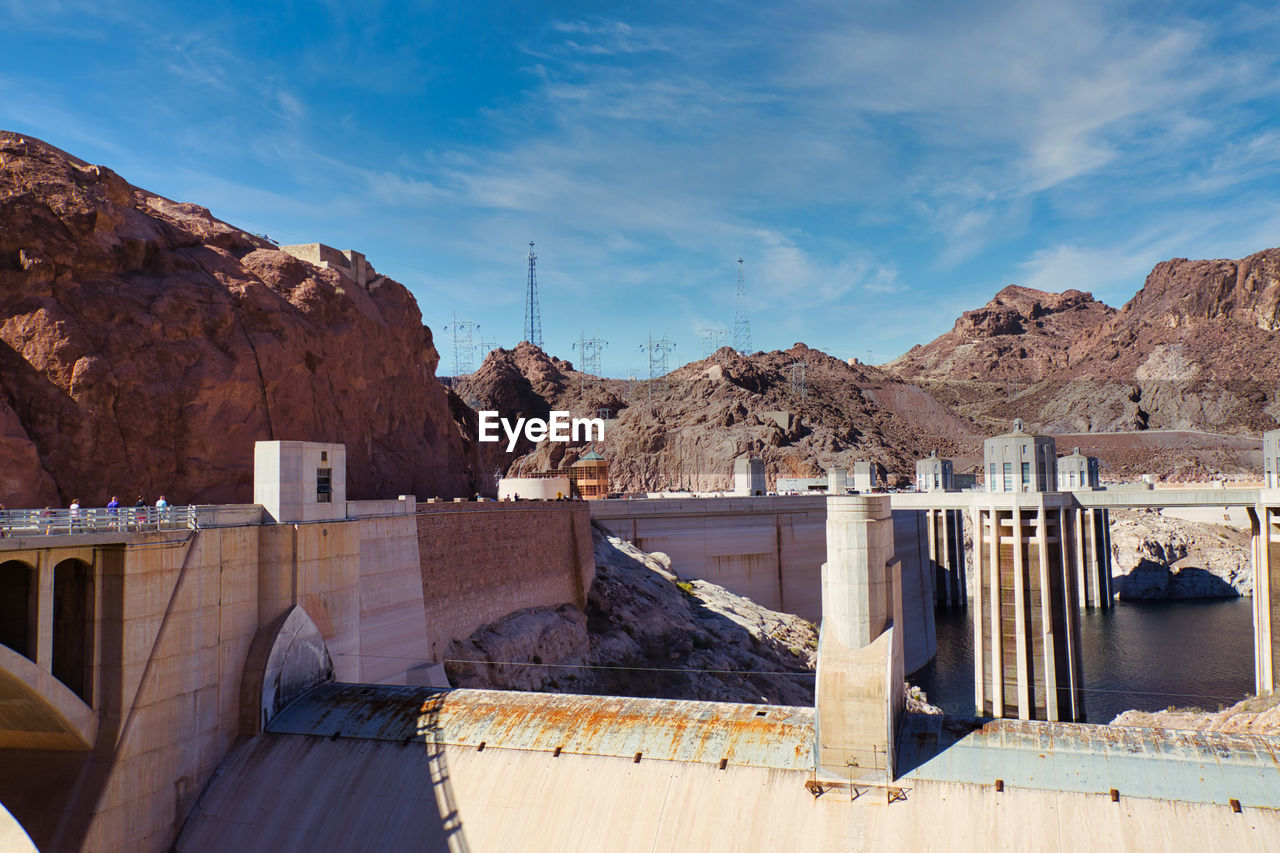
(850, 152)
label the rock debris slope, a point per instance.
(146, 345)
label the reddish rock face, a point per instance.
(145, 346)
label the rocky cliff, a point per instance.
(685, 431)
(1157, 556)
(1256, 716)
(146, 345)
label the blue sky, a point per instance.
(879, 166)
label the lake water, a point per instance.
(1144, 655)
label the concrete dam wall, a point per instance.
(171, 621)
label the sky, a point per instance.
(879, 167)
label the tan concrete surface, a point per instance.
(344, 794)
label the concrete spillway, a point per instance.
(409, 768)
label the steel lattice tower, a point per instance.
(741, 325)
(589, 363)
(532, 314)
(658, 351)
(487, 345)
(463, 347)
(712, 340)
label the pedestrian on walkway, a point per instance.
(74, 521)
(113, 511)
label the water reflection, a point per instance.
(1145, 655)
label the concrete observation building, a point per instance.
(1026, 644)
(589, 477)
(934, 474)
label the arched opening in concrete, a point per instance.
(18, 607)
(73, 601)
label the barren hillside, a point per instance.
(685, 431)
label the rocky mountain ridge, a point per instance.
(1192, 350)
(684, 431)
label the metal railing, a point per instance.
(51, 522)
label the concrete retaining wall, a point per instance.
(481, 561)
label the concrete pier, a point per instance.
(860, 666)
(1266, 588)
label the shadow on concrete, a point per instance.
(345, 767)
(924, 737)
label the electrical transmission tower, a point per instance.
(589, 362)
(658, 351)
(463, 347)
(532, 314)
(798, 385)
(629, 385)
(741, 325)
(487, 345)
(712, 340)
